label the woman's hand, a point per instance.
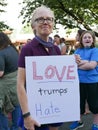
(30, 123)
(1, 73)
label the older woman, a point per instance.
(42, 23)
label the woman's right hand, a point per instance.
(77, 58)
(30, 123)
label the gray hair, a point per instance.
(37, 10)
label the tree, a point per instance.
(70, 13)
(3, 26)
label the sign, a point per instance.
(52, 88)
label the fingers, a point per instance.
(77, 58)
(37, 124)
(30, 123)
(30, 128)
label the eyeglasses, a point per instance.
(41, 20)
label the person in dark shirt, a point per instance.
(8, 80)
(42, 23)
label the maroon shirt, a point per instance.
(34, 48)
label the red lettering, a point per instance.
(70, 70)
(52, 72)
(35, 76)
(60, 77)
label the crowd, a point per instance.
(13, 97)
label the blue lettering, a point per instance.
(48, 111)
(38, 110)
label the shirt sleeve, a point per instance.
(21, 61)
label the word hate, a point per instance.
(48, 111)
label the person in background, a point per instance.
(88, 77)
(63, 46)
(42, 23)
(78, 35)
(28, 40)
(8, 80)
(60, 42)
(56, 39)
(23, 44)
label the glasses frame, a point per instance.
(42, 20)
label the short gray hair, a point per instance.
(37, 10)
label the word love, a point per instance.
(50, 72)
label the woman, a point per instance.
(8, 79)
(42, 23)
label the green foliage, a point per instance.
(3, 26)
(26, 29)
(70, 13)
(2, 4)
(96, 44)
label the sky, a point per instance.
(12, 13)
(11, 18)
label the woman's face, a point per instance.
(44, 23)
(87, 40)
